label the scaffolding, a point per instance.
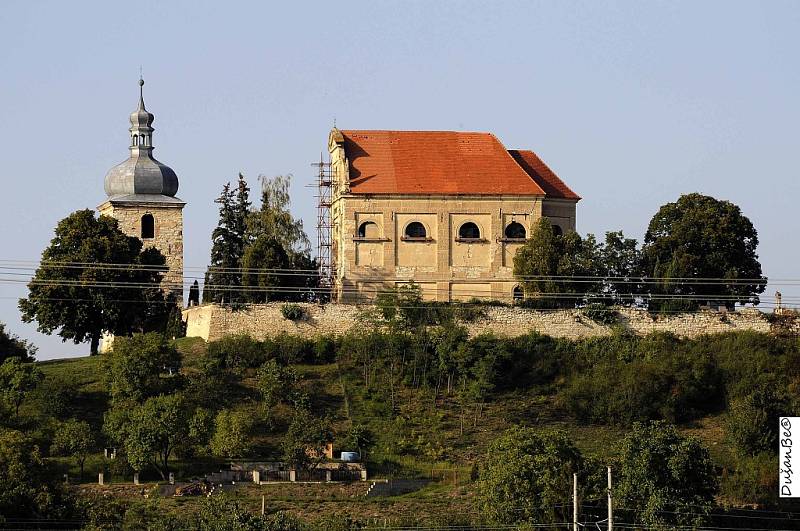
(324, 226)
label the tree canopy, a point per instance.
(706, 239)
(93, 278)
(12, 346)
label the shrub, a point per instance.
(601, 314)
(751, 423)
(292, 311)
(231, 434)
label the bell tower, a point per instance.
(141, 196)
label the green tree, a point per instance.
(525, 474)
(752, 421)
(73, 438)
(12, 346)
(357, 437)
(547, 264)
(77, 292)
(699, 237)
(666, 478)
(17, 380)
(618, 262)
(223, 279)
(265, 270)
(304, 443)
(29, 488)
(151, 432)
(231, 434)
(139, 366)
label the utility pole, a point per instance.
(610, 505)
(574, 502)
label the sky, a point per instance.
(631, 103)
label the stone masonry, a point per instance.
(212, 322)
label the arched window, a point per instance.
(517, 294)
(369, 229)
(557, 230)
(415, 231)
(469, 231)
(515, 231)
(135, 140)
(148, 226)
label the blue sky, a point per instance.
(631, 103)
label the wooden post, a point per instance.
(610, 505)
(574, 502)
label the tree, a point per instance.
(29, 488)
(151, 432)
(618, 262)
(751, 423)
(305, 440)
(17, 380)
(525, 474)
(665, 477)
(231, 434)
(223, 277)
(12, 346)
(270, 229)
(74, 438)
(139, 367)
(77, 291)
(358, 437)
(547, 264)
(706, 239)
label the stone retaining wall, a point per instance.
(212, 322)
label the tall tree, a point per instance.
(618, 263)
(74, 438)
(93, 278)
(702, 249)
(138, 367)
(223, 278)
(17, 380)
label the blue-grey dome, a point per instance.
(141, 174)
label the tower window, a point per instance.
(369, 229)
(515, 231)
(415, 231)
(148, 227)
(469, 231)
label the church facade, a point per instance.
(141, 195)
(447, 210)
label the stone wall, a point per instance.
(212, 322)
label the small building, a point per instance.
(447, 210)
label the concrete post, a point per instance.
(610, 504)
(364, 475)
(292, 475)
(328, 476)
(256, 476)
(171, 478)
(136, 478)
(100, 478)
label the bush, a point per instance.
(231, 434)
(601, 314)
(751, 423)
(292, 312)
(753, 482)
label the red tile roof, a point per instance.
(439, 163)
(544, 176)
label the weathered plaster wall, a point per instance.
(213, 322)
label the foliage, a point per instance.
(139, 367)
(702, 238)
(618, 261)
(82, 302)
(292, 312)
(28, 486)
(525, 474)
(223, 513)
(74, 438)
(231, 434)
(666, 478)
(278, 384)
(17, 380)
(752, 421)
(265, 265)
(304, 443)
(601, 314)
(55, 396)
(12, 346)
(754, 481)
(357, 437)
(150, 432)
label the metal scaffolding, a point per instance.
(324, 225)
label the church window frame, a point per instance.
(368, 230)
(470, 232)
(415, 231)
(515, 232)
(147, 226)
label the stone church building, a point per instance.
(141, 196)
(445, 209)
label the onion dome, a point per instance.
(141, 174)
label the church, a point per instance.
(141, 195)
(447, 210)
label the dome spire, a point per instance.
(141, 122)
